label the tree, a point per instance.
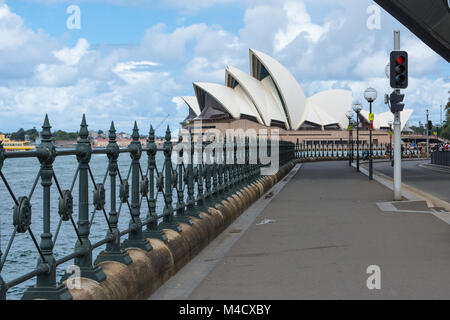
(445, 133)
(19, 135)
(63, 135)
(32, 134)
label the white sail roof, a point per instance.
(268, 108)
(382, 119)
(192, 103)
(289, 89)
(318, 115)
(232, 100)
(333, 105)
(271, 94)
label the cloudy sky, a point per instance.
(132, 59)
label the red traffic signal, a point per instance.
(399, 69)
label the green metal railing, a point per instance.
(186, 189)
(344, 150)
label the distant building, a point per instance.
(93, 134)
(123, 135)
(270, 97)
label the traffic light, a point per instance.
(399, 69)
(430, 125)
(396, 99)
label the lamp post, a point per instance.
(349, 116)
(357, 107)
(370, 95)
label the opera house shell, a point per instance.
(271, 97)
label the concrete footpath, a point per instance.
(328, 230)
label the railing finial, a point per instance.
(151, 134)
(135, 134)
(84, 133)
(168, 134)
(112, 132)
(46, 133)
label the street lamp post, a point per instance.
(349, 116)
(357, 107)
(370, 95)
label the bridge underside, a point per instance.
(429, 20)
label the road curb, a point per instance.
(409, 192)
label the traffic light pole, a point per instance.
(397, 139)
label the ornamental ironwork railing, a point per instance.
(166, 192)
(344, 150)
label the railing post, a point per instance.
(255, 165)
(226, 167)
(152, 230)
(247, 158)
(46, 286)
(113, 251)
(83, 245)
(207, 175)
(242, 165)
(135, 238)
(168, 219)
(215, 174)
(190, 208)
(182, 180)
(221, 169)
(234, 167)
(199, 176)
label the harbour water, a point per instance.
(21, 174)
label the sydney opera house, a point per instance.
(270, 96)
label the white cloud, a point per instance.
(298, 22)
(332, 49)
(21, 48)
(134, 72)
(372, 65)
(71, 56)
(421, 59)
(180, 105)
(161, 44)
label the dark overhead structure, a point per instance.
(427, 19)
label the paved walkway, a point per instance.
(328, 230)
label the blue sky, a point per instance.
(131, 60)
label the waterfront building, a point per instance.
(270, 97)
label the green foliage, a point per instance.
(21, 134)
(63, 135)
(445, 133)
(418, 130)
(33, 134)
